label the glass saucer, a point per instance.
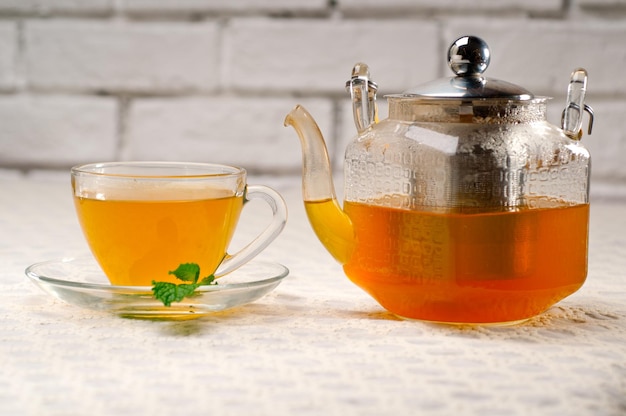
(81, 282)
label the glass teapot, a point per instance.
(465, 205)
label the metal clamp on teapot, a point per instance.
(463, 206)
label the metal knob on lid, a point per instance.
(469, 56)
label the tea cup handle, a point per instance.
(279, 218)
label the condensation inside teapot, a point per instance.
(433, 156)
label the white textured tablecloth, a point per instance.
(316, 345)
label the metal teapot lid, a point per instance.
(468, 58)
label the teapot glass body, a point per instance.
(467, 212)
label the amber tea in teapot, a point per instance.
(498, 266)
(465, 205)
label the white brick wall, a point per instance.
(235, 130)
(118, 56)
(45, 7)
(182, 7)
(213, 79)
(450, 6)
(8, 55)
(56, 130)
(316, 56)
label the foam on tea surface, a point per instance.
(158, 191)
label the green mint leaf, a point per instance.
(170, 292)
(187, 272)
(209, 280)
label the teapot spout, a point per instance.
(330, 223)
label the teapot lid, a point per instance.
(468, 58)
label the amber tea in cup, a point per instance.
(143, 219)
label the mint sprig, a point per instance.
(168, 292)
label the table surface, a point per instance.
(316, 345)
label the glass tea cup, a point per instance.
(143, 219)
